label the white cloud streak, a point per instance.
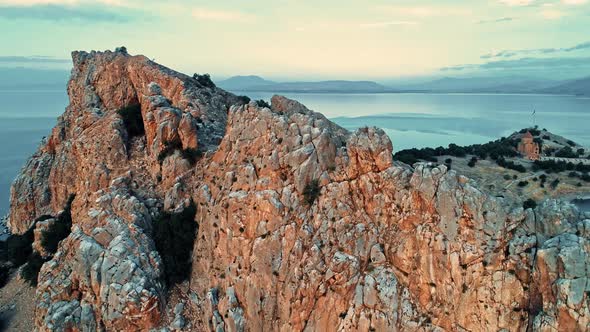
(30, 3)
(375, 25)
(221, 15)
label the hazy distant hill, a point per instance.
(28, 78)
(576, 87)
(256, 83)
(243, 83)
(482, 84)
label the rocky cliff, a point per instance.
(302, 225)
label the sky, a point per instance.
(305, 39)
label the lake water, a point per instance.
(411, 120)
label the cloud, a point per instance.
(574, 2)
(63, 13)
(425, 11)
(527, 64)
(386, 24)
(517, 3)
(552, 14)
(32, 59)
(498, 20)
(512, 53)
(221, 15)
(30, 3)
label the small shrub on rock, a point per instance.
(204, 80)
(529, 204)
(244, 100)
(262, 103)
(311, 192)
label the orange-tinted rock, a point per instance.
(377, 245)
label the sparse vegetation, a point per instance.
(132, 119)
(510, 165)
(552, 166)
(204, 80)
(174, 235)
(244, 100)
(500, 148)
(533, 131)
(262, 103)
(311, 191)
(566, 152)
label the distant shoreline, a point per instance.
(409, 92)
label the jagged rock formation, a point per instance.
(302, 225)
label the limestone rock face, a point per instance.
(303, 226)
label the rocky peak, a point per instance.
(302, 225)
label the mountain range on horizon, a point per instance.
(507, 84)
(31, 78)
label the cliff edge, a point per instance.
(302, 225)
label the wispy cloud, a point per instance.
(512, 53)
(374, 25)
(517, 3)
(29, 3)
(574, 2)
(425, 11)
(498, 20)
(32, 59)
(550, 11)
(527, 64)
(221, 15)
(64, 13)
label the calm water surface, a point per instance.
(411, 120)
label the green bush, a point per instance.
(262, 103)
(566, 152)
(244, 100)
(132, 119)
(510, 165)
(523, 184)
(311, 192)
(204, 80)
(496, 149)
(30, 272)
(59, 230)
(174, 236)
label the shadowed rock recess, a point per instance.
(302, 225)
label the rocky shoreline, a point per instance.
(4, 231)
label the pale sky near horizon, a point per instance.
(306, 39)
